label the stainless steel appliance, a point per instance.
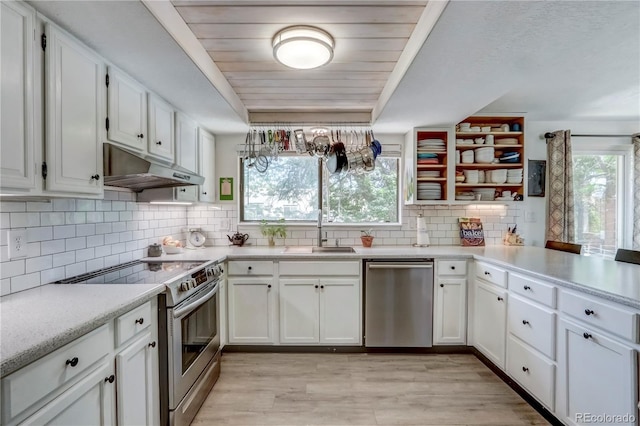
(398, 303)
(190, 319)
(188, 328)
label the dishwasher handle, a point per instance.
(400, 266)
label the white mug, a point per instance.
(489, 140)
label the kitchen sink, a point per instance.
(308, 249)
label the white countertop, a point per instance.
(38, 321)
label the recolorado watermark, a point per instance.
(591, 418)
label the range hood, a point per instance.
(137, 172)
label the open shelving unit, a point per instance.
(414, 165)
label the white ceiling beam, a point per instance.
(421, 32)
(171, 20)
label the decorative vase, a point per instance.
(272, 241)
(366, 241)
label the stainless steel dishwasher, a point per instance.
(398, 303)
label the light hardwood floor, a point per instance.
(361, 389)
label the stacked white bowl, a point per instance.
(486, 194)
(470, 176)
(514, 175)
(467, 156)
(484, 154)
(499, 175)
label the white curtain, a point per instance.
(560, 220)
(635, 140)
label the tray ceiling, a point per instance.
(369, 39)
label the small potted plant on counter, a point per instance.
(367, 238)
(271, 231)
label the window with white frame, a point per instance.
(289, 189)
(602, 196)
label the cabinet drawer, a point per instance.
(132, 323)
(491, 273)
(532, 289)
(29, 385)
(534, 325)
(532, 371)
(617, 320)
(325, 269)
(452, 267)
(250, 267)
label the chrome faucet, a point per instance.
(320, 239)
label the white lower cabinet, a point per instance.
(136, 387)
(89, 402)
(490, 321)
(79, 383)
(450, 302)
(597, 376)
(531, 370)
(319, 311)
(251, 309)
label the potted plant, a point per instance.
(367, 238)
(271, 231)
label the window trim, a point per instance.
(625, 179)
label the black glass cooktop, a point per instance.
(135, 272)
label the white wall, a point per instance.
(535, 207)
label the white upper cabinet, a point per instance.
(127, 111)
(186, 143)
(207, 161)
(17, 162)
(161, 140)
(73, 115)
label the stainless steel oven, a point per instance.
(189, 327)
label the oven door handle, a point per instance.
(192, 306)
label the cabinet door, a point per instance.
(127, 111)
(490, 310)
(340, 311)
(207, 162)
(299, 316)
(136, 405)
(89, 402)
(161, 134)
(186, 142)
(450, 312)
(596, 375)
(251, 310)
(74, 94)
(17, 163)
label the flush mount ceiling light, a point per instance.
(303, 47)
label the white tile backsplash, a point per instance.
(66, 237)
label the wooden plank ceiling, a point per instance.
(369, 38)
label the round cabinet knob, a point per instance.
(525, 369)
(152, 344)
(453, 268)
(159, 143)
(316, 286)
(140, 321)
(587, 335)
(110, 379)
(500, 299)
(141, 135)
(73, 361)
(269, 286)
(321, 286)
(525, 322)
(526, 287)
(204, 192)
(487, 273)
(95, 177)
(183, 190)
(441, 285)
(588, 312)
